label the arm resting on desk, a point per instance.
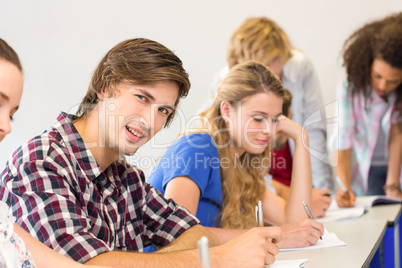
(254, 248)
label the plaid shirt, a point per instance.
(59, 194)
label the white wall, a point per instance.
(61, 42)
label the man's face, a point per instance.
(134, 114)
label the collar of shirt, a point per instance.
(73, 141)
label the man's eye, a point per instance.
(142, 98)
(164, 111)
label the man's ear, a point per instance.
(226, 108)
(101, 95)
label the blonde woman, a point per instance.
(262, 39)
(218, 172)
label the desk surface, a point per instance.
(362, 237)
(391, 213)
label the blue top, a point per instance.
(195, 156)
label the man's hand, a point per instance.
(254, 248)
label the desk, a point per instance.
(362, 236)
(392, 213)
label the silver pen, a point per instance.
(203, 250)
(308, 211)
(259, 214)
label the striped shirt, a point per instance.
(60, 195)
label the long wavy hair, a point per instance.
(242, 184)
(259, 39)
(380, 39)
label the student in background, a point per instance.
(72, 188)
(217, 172)
(261, 39)
(17, 247)
(279, 176)
(370, 123)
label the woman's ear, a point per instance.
(226, 108)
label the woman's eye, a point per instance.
(258, 119)
(275, 120)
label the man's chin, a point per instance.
(130, 152)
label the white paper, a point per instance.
(289, 264)
(335, 213)
(328, 240)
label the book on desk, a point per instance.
(385, 200)
(362, 205)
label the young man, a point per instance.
(71, 188)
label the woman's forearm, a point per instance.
(301, 183)
(344, 167)
(392, 185)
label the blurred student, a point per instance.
(217, 172)
(370, 123)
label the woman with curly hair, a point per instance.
(217, 172)
(370, 125)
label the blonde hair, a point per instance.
(259, 39)
(242, 184)
(287, 102)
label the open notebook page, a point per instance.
(328, 240)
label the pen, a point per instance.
(259, 214)
(339, 181)
(203, 250)
(308, 212)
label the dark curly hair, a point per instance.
(381, 39)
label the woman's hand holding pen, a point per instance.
(345, 198)
(321, 200)
(302, 233)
